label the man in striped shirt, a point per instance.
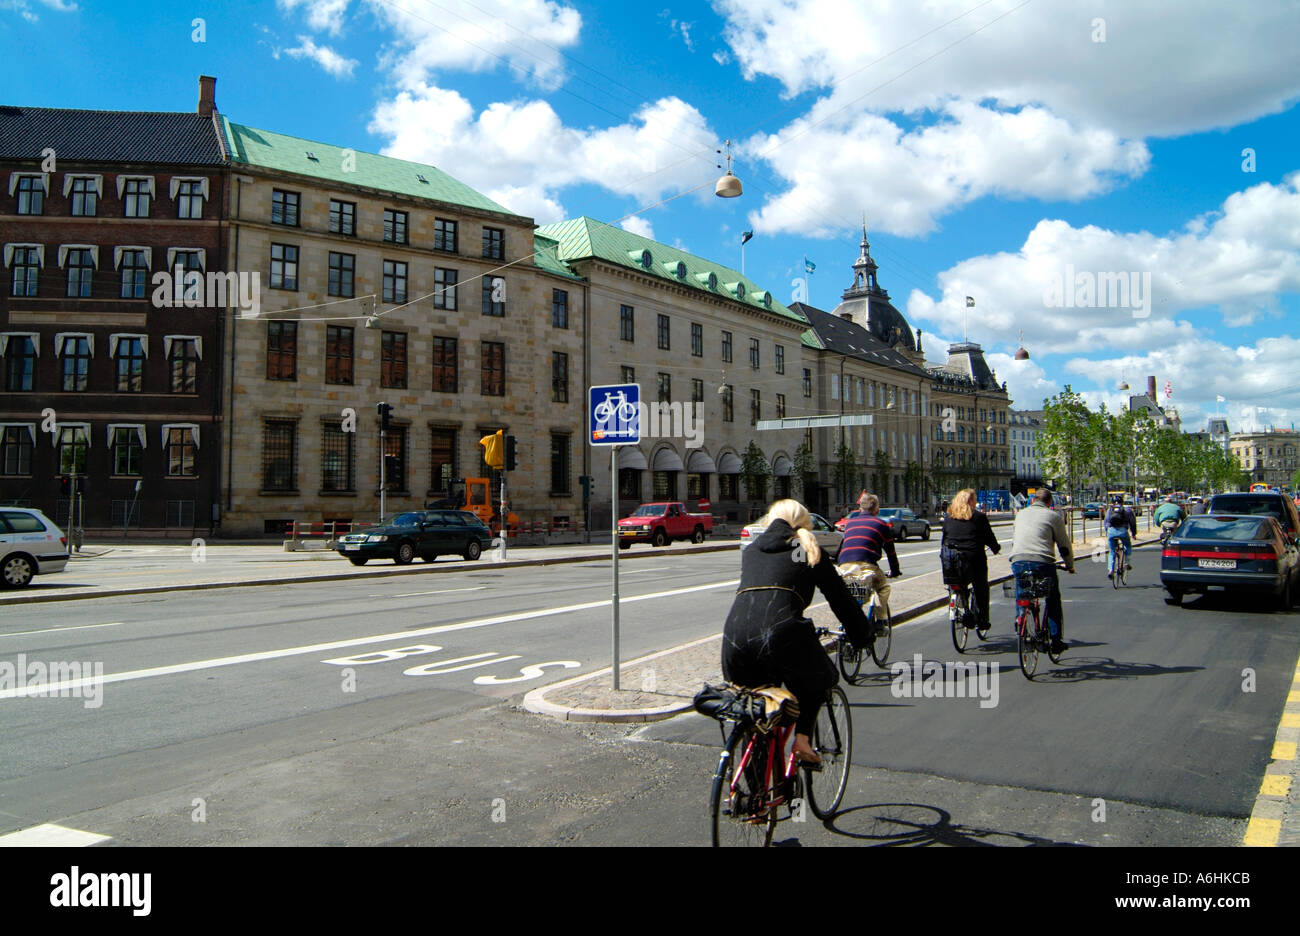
(866, 537)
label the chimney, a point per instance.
(1151, 387)
(918, 339)
(208, 96)
(847, 316)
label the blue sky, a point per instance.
(990, 143)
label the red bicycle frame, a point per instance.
(776, 740)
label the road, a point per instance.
(382, 711)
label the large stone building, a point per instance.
(969, 412)
(1023, 427)
(389, 281)
(110, 375)
(1271, 457)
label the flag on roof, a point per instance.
(745, 237)
(808, 265)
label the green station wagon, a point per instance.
(424, 533)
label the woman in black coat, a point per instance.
(967, 531)
(767, 640)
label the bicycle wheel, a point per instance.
(738, 803)
(850, 659)
(1116, 561)
(1028, 644)
(981, 632)
(957, 620)
(883, 641)
(833, 740)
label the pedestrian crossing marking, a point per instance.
(50, 835)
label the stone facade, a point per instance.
(1271, 457)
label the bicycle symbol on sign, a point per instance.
(624, 410)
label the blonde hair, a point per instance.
(869, 502)
(963, 504)
(796, 514)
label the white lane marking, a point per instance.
(443, 591)
(49, 835)
(639, 571)
(72, 684)
(52, 630)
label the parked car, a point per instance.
(905, 522)
(661, 523)
(1275, 505)
(1217, 552)
(828, 538)
(424, 533)
(1092, 511)
(30, 544)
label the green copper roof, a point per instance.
(546, 257)
(581, 238)
(810, 339)
(268, 150)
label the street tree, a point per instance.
(755, 471)
(1065, 442)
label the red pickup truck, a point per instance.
(661, 523)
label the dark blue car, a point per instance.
(1249, 554)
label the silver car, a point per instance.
(30, 544)
(905, 523)
(828, 538)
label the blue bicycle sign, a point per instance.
(615, 414)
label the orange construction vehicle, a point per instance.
(477, 499)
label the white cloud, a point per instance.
(321, 14)
(1239, 258)
(324, 56)
(24, 9)
(525, 35)
(638, 225)
(526, 140)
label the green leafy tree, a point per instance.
(1066, 441)
(755, 471)
(914, 478)
(880, 475)
(844, 471)
(802, 466)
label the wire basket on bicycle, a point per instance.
(859, 587)
(1029, 584)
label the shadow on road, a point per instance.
(1082, 669)
(916, 824)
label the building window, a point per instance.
(395, 463)
(625, 323)
(665, 387)
(187, 261)
(76, 363)
(755, 407)
(560, 444)
(727, 487)
(281, 350)
(394, 281)
(663, 333)
(392, 360)
(189, 199)
(135, 198)
(780, 367)
(72, 446)
(343, 219)
(31, 195)
(127, 451)
(665, 485)
(279, 455)
(780, 406)
(559, 308)
(494, 243)
(697, 390)
(445, 361)
(338, 354)
(81, 273)
(559, 377)
(728, 407)
(697, 339)
(284, 266)
(26, 271)
(629, 484)
(444, 294)
(180, 513)
(342, 275)
(184, 364)
(130, 364)
(16, 447)
(338, 458)
(726, 347)
(494, 369)
(753, 353)
(444, 235)
(494, 289)
(284, 207)
(628, 374)
(84, 198)
(20, 364)
(442, 459)
(395, 229)
(134, 272)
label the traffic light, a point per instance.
(512, 453)
(65, 485)
(385, 415)
(588, 486)
(493, 446)
(392, 469)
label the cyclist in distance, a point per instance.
(1040, 533)
(1169, 512)
(866, 536)
(767, 640)
(966, 531)
(1120, 522)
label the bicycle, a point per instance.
(758, 774)
(964, 616)
(623, 409)
(849, 655)
(1167, 528)
(1030, 588)
(1118, 563)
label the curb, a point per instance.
(427, 569)
(1274, 813)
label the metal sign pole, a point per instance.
(613, 545)
(505, 532)
(383, 481)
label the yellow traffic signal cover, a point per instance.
(494, 446)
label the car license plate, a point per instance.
(351, 547)
(1217, 563)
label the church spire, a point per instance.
(864, 268)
